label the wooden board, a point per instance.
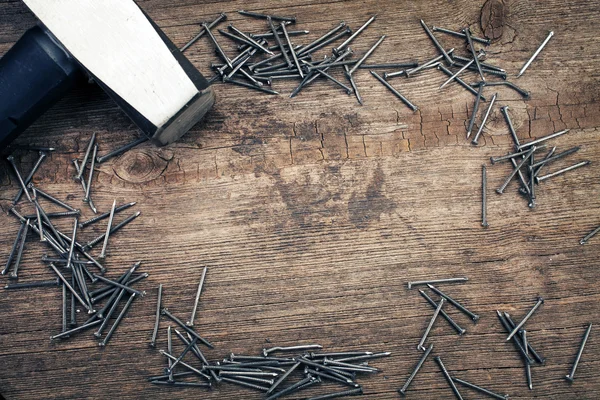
(312, 213)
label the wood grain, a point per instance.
(312, 213)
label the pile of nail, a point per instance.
(265, 372)
(461, 331)
(72, 258)
(516, 333)
(291, 61)
(527, 169)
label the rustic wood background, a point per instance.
(312, 213)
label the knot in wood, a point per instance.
(140, 166)
(493, 15)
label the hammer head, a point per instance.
(132, 60)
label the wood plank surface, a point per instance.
(312, 213)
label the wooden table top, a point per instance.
(313, 212)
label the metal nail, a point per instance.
(410, 72)
(527, 365)
(421, 344)
(15, 273)
(554, 158)
(188, 329)
(183, 364)
(516, 341)
(198, 354)
(348, 90)
(542, 139)
(86, 156)
(73, 240)
(455, 75)
(73, 319)
(184, 384)
(244, 84)
(524, 185)
(309, 47)
(342, 46)
(251, 40)
(218, 48)
(283, 377)
(13, 250)
(366, 55)
(494, 160)
(117, 321)
(475, 109)
(467, 33)
(485, 118)
(402, 390)
(109, 314)
(279, 42)
(353, 84)
(365, 357)
(544, 43)
(461, 35)
(84, 186)
(197, 300)
(511, 85)
(266, 352)
(158, 307)
(108, 229)
(484, 222)
(90, 174)
(409, 64)
(113, 290)
(545, 159)
(532, 195)
(291, 389)
(590, 235)
(71, 289)
(105, 215)
(119, 285)
(455, 303)
(265, 16)
(183, 353)
(538, 358)
(114, 229)
(36, 166)
(539, 179)
(291, 48)
(458, 80)
(31, 285)
(121, 150)
(75, 330)
(571, 376)
(11, 160)
(393, 90)
(480, 389)
(539, 302)
(501, 189)
(448, 377)
(270, 34)
(221, 17)
(437, 44)
(348, 367)
(443, 313)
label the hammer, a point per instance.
(116, 45)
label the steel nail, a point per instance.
(366, 55)
(524, 189)
(279, 42)
(11, 160)
(421, 346)
(73, 240)
(571, 376)
(475, 109)
(354, 35)
(402, 390)
(432, 281)
(15, 273)
(71, 289)
(590, 235)
(461, 35)
(485, 118)
(114, 229)
(119, 285)
(291, 20)
(13, 250)
(109, 314)
(353, 84)
(291, 389)
(393, 90)
(527, 365)
(532, 196)
(291, 48)
(221, 17)
(75, 330)
(86, 156)
(197, 300)
(121, 150)
(108, 229)
(283, 377)
(516, 341)
(467, 33)
(84, 186)
(90, 174)
(539, 302)
(539, 179)
(351, 392)
(455, 303)
(542, 139)
(501, 189)
(36, 166)
(538, 358)
(188, 329)
(31, 285)
(437, 44)
(457, 327)
(251, 40)
(156, 322)
(484, 222)
(544, 43)
(117, 321)
(480, 389)
(183, 353)
(455, 75)
(448, 377)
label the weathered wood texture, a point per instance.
(312, 213)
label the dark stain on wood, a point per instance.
(365, 209)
